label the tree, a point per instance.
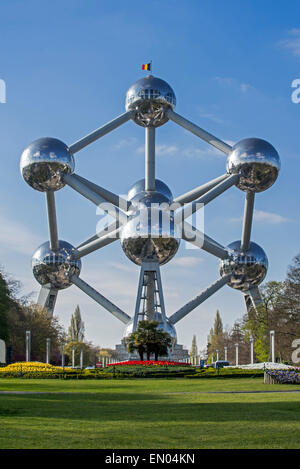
(218, 325)
(194, 348)
(5, 303)
(76, 329)
(90, 353)
(148, 339)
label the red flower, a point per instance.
(150, 362)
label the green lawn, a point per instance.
(148, 413)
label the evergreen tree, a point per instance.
(76, 329)
(218, 325)
(194, 348)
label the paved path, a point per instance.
(168, 393)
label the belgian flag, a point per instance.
(147, 67)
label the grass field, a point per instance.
(153, 413)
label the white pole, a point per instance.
(225, 352)
(47, 351)
(28, 346)
(81, 358)
(272, 339)
(217, 352)
(236, 354)
(251, 350)
(73, 356)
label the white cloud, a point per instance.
(124, 143)
(227, 82)
(292, 43)
(15, 236)
(187, 261)
(161, 150)
(267, 217)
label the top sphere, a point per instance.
(256, 161)
(138, 194)
(150, 98)
(44, 162)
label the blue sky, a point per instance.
(67, 66)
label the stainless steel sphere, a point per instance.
(248, 269)
(44, 162)
(256, 161)
(150, 98)
(157, 317)
(137, 193)
(55, 267)
(150, 234)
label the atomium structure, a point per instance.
(150, 223)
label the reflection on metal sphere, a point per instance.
(150, 234)
(150, 98)
(248, 269)
(44, 162)
(55, 267)
(258, 163)
(137, 193)
(157, 317)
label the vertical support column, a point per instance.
(150, 159)
(247, 223)
(52, 221)
(217, 352)
(28, 343)
(251, 350)
(236, 354)
(272, 343)
(48, 351)
(225, 354)
(149, 285)
(150, 296)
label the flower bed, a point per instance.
(149, 363)
(283, 377)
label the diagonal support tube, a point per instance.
(194, 129)
(252, 298)
(100, 132)
(109, 229)
(188, 210)
(247, 222)
(202, 241)
(47, 298)
(100, 299)
(107, 195)
(52, 221)
(187, 308)
(150, 159)
(73, 181)
(96, 244)
(199, 191)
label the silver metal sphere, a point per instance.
(256, 161)
(248, 269)
(137, 193)
(44, 162)
(157, 317)
(150, 98)
(55, 267)
(150, 234)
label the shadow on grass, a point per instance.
(143, 407)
